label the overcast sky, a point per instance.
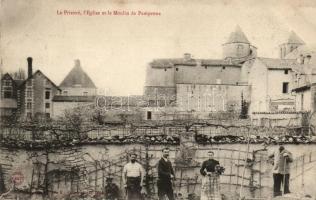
(114, 50)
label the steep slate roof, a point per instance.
(276, 63)
(294, 39)
(237, 36)
(7, 75)
(39, 72)
(77, 77)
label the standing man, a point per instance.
(133, 178)
(281, 170)
(165, 176)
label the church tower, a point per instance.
(290, 44)
(237, 46)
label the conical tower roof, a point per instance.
(237, 36)
(77, 78)
(294, 39)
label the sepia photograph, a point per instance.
(157, 100)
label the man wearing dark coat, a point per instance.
(165, 176)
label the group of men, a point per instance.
(134, 174)
(133, 177)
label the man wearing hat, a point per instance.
(111, 190)
(133, 178)
(281, 170)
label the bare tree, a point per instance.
(18, 75)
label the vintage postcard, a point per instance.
(166, 99)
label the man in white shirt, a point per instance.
(133, 178)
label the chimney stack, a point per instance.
(29, 67)
(77, 63)
(187, 56)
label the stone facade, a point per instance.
(271, 83)
(187, 80)
(8, 98)
(36, 96)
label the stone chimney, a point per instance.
(29, 67)
(77, 63)
(187, 56)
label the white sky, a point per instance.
(114, 50)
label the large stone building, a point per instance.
(203, 85)
(210, 85)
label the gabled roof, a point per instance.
(41, 73)
(294, 39)
(17, 82)
(237, 36)
(77, 77)
(7, 75)
(276, 63)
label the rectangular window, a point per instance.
(29, 93)
(47, 105)
(28, 105)
(286, 71)
(149, 115)
(28, 115)
(285, 88)
(47, 115)
(47, 95)
(7, 94)
(7, 83)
